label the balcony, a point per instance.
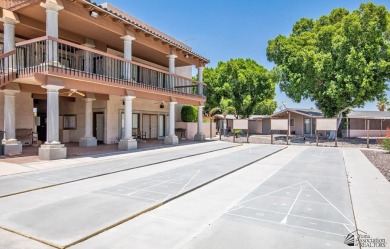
(7, 65)
(55, 56)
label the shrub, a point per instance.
(385, 144)
(189, 113)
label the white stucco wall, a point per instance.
(111, 110)
(184, 71)
(192, 129)
(255, 126)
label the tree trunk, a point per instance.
(211, 128)
(333, 134)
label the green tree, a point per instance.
(339, 61)
(224, 107)
(189, 113)
(267, 107)
(244, 83)
(382, 104)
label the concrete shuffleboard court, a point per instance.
(10, 185)
(70, 220)
(308, 198)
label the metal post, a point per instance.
(220, 133)
(368, 133)
(247, 136)
(272, 138)
(234, 136)
(316, 137)
(335, 140)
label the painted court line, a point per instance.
(188, 182)
(290, 173)
(123, 195)
(343, 235)
(293, 215)
(234, 209)
(330, 203)
(156, 192)
(157, 184)
(321, 203)
(284, 221)
(268, 193)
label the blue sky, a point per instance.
(225, 29)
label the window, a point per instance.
(135, 123)
(292, 122)
(70, 122)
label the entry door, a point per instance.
(153, 126)
(146, 125)
(150, 125)
(306, 126)
(98, 124)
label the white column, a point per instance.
(88, 117)
(199, 136)
(172, 118)
(9, 114)
(128, 142)
(52, 7)
(172, 69)
(171, 138)
(52, 136)
(128, 117)
(128, 55)
(88, 55)
(9, 20)
(11, 145)
(88, 139)
(52, 149)
(200, 79)
(9, 34)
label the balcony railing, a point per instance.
(7, 67)
(51, 54)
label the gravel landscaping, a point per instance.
(381, 160)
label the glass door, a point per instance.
(306, 126)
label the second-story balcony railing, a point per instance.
(7, 67)
(51, 54)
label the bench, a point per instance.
(25, 136)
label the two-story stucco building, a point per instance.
(76, 71)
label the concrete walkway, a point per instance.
(370, 192)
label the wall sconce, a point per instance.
(94, 14)
(186, 56)
(162, 105)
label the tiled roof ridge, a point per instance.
(148, 29)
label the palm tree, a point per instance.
(382, 104)
(224, 108)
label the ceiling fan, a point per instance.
(73, 91)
